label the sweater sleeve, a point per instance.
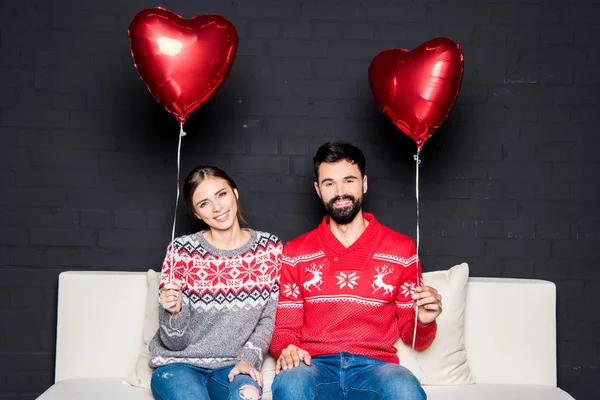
(405, 310)
(173, 330)
(290, 310)
(257, 344)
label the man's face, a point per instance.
(341, 189)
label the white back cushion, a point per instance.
(100, 322)
(510, 327)
(510, 330)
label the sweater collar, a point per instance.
(334, 246)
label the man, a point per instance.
(348, 292)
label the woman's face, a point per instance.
(215, 203)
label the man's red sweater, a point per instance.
(358, 299)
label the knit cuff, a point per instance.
(252, 356)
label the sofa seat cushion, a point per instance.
(113, 389)
(496, 391)
(95, 389)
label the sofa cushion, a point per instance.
(445, 361)
(142, 374)
(111, 389)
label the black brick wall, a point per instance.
(510, 183)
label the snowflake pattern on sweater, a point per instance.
(356, 299)
(228, 306)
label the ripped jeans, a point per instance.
(187, 382)
(345, 376)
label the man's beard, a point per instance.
(343, 215)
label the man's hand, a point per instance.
(290, 357)
(429, 302)
(243, 367)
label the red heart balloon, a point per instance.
(416, 89)
(182, 61)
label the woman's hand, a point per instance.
(242, 367)
(170, 298)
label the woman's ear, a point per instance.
(237, 195)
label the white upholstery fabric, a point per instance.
(100, 322)
(112, 389)
(509, 337)
(510, 330)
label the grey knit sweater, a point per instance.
(228, 306)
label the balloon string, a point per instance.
(417, 162)
(181, 134)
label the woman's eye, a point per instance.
(201, 205)
(222, 194)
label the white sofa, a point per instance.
(509, 336)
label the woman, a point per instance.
(218, 296)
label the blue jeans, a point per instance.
(186, 382)
(349, 377)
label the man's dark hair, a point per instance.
(332, 152)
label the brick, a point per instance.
(481, 190)
(9, 58)
(17, 78)
(358, 30)
(329, 30)
(13, 157)
(129, 219)
(61, 237)
(339, 11)
(585, 231)
(397, 13)
(585, 34)
(557, 35)
(414, 33)
(296, 30)
(302, 166)
(13, 237)
(281, 68)
(505, 229)
(519, 269)
(552, 191)
(454, 246)
(264, 145)
(50, 197)
(530, 249)
(264, 29)
(85, 20)
(279, 108)
(28, 381)
(269, 9)
(574, 95)
(7, 177)
(123, 238)
(552, 230)
(64, 178)
(523, 15)
(260, 164)
(297, 48)
(572, 171)
(586, 250)
(20, 117)
(8, 97)
(585, 191)
(64, 158)
(585, 114)
(327, 68)
(554, 114)
(486, 209)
